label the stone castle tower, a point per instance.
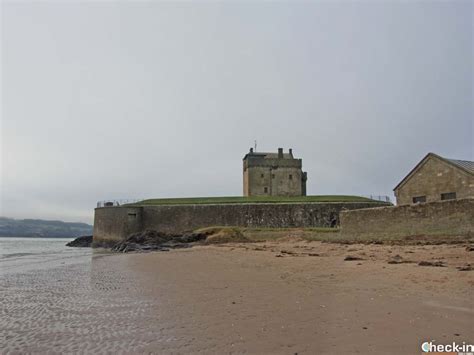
(273, 174)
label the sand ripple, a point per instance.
(94, 307)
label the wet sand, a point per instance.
(242, 298)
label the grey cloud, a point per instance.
(151, 99)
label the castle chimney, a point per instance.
(280, 153)
(251, 150)
(291, 152)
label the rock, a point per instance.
(470, 248)
(82, 242)
(397, 259)
(157, 241)
(466, 267)
(432, 263)
(352, 258)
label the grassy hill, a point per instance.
(38, 228)
(253, 199)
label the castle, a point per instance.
(273, 174)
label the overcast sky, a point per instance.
(108, 100)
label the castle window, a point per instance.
(419, 199)
(291, 177)
(261, 175)
(265, 189)
(273, 176)
(448, 196)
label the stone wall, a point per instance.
(267, 176)
(112, 224)
(432, 179)
(276, 179)
(452, 217)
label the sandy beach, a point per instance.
(283, 297)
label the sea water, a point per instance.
(26, 254)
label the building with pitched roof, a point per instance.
(273, 174)
(436, 178)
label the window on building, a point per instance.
(265, 189)
(273, 176)
(448, 196)
(291, 177)
(261, 175)
(419, 199)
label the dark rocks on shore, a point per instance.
(82, 242)
(438, 263)
(466, 267)
(153, 240)
(397, 259)
(352, 258)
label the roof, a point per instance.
(275, 155)
(465, 165)
(265, 155)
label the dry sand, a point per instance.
(242, 298)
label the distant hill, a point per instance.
(38, 228)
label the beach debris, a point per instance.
(438, 263)
(397, 259)
(466, 267)
(313, 254)
(82, 242)
(352, 258)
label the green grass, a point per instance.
(253, 199)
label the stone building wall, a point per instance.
(112, 224)
(452, 217)
(277, 181)
(434, 178)
(272, 177)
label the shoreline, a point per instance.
(241, 297)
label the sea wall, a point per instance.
(452, 217)
(112, 224)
